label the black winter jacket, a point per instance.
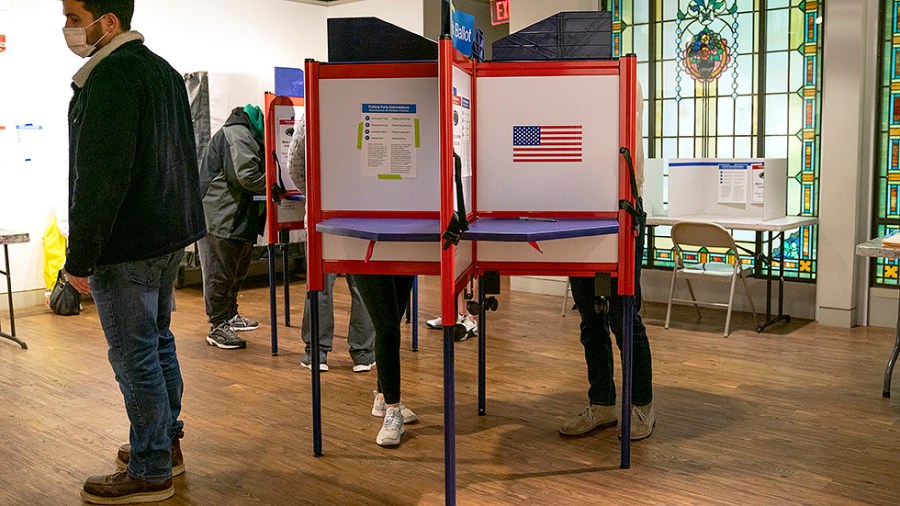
(134, 188)
(232, 171)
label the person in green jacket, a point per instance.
(232, 173)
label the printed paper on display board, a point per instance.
(287, 119)
(388, 138)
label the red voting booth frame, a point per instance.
(453, 282)
(277, 231)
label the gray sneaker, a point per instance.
(239, 323)
(391, 429)
(224, 337)
(643, 418)
(591, 418)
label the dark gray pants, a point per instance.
(360, 335)
(225, 263)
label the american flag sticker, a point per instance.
(547, 143)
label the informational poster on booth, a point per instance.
(757, 183)
(733, 183)
(462, 131)
(287, 119)
(388, 138)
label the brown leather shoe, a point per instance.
(119, 488)
(124, 455)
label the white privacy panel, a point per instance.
(547, 143)
(579, 249)
(347, 180)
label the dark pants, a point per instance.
(225, 263)
(595, 337)
(386, 298)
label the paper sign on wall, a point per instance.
(388, 137)
(2, 42)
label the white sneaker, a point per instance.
(437, 323)
(470, 325)
(379, 408)
(363, 367)
(392, 428)
(305, 361)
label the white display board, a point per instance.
(398, 109)
(540, 149)
(228, 90)
(653, 192)
(745, 187)
(462, 129)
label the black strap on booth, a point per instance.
(278, 188)
(628, 207)
(458, 223)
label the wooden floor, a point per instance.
(791, 416)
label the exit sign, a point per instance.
(499, 12)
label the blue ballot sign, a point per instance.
(462, 30)
(289, 82)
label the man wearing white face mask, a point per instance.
(134, 204)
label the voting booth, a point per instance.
(464, 169)
(740, 194)
(742, 187)
(284, 201)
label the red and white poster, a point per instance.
(2, 42)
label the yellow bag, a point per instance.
(54, 253)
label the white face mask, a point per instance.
(76, 39)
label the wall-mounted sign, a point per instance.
(2, 42)
(499, 12)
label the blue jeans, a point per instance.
(134, 302)
(360, 335)
(595, 328)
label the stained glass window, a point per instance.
(732, 79)
(887, 181)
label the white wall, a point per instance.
(523, 13)
(238, 36)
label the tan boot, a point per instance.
(591, 418)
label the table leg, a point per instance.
(9, 297)
(449, 419)
(889, 370)
(780, 316)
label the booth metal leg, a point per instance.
(449, 419)
(9, 297)
(273, 310)
(889, 370)
(415, 313)
(482, 348)
(286, 275)
(314, 360)
(627, 356)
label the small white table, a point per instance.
(6, 238)
(874, 248)
(775, 227)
